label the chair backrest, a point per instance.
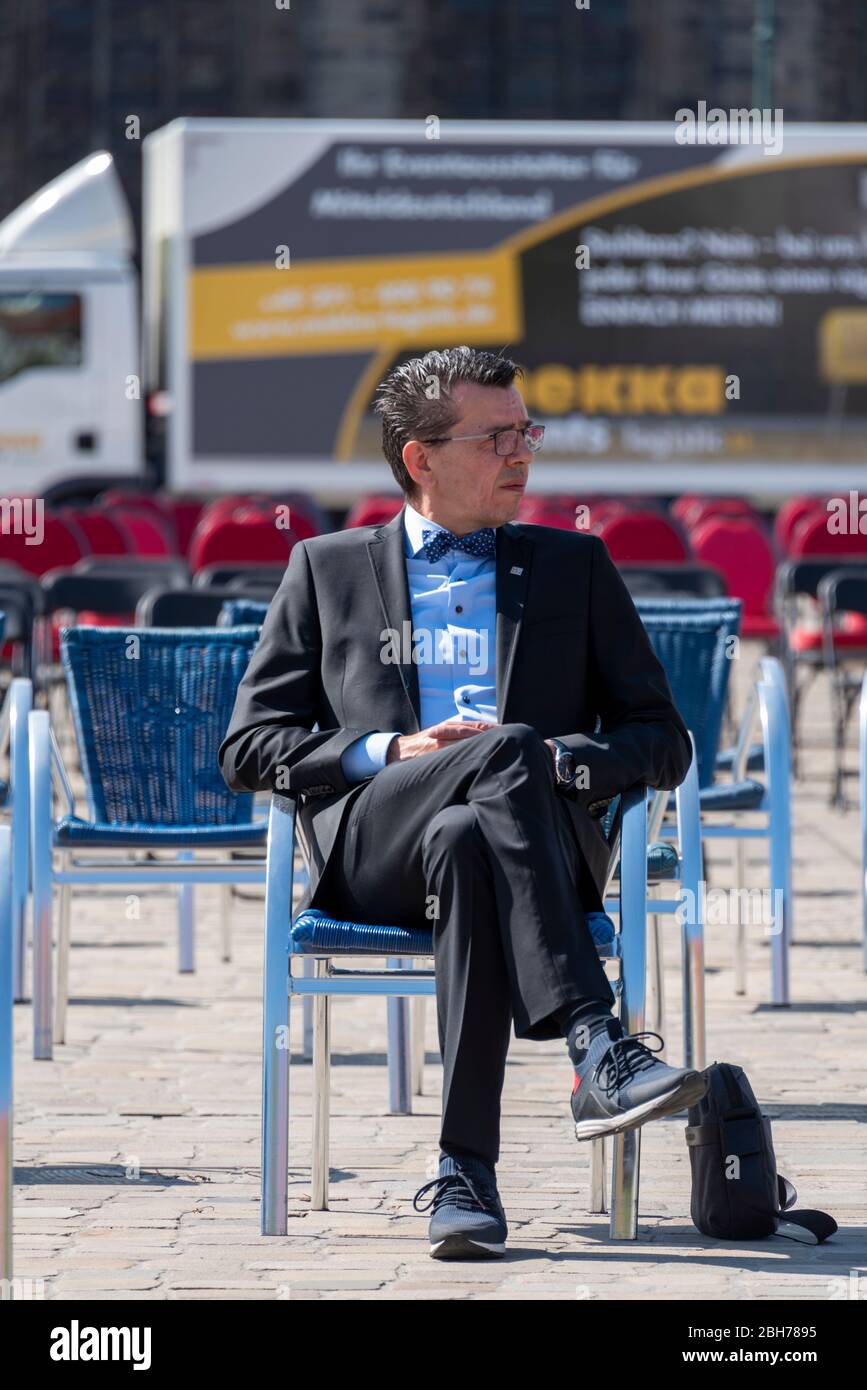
(94, 593)
(659, 581)
(246, 537)
(741, 549)
(102, 533)
(844, 591)
(813, 537)
(149, 533)
(802, 577)
(160, 569)
(241, 612)
(790, 516)
(373, 511)
(62, 544)
(643, 537)
(225, 576)
(692, 638)
(151, 708)
(177, 606)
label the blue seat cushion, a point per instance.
(72, 830)
(662, 862)
(746, 795)
(314, 933)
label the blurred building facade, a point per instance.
(72, 72)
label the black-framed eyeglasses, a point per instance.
(505, 441)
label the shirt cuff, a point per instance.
(365, 757)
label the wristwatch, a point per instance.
(565, 765)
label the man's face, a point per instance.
(465, 484)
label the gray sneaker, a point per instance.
(621, 1085)
(467, 1221)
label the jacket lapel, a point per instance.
(514, 553)
(388, 557)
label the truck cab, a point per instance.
(70, 384)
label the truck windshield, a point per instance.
(38, 330)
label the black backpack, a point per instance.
(737, 1193)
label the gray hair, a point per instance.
(414, 401)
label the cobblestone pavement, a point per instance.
(137, 1147)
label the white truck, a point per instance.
(689, 310)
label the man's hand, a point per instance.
(443, 735)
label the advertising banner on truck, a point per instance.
(687, 312)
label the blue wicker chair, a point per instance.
(150, 707)
(238, 612)
(317, 936)
(693, 639)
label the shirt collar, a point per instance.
(413, 525)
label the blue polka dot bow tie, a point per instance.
(482, 543)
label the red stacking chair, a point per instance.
(641, 538)
(741, 549)
(546, 511)
(248, 536)
(148, 533)
(185, 513)
(305, 518)
(790, 515)
(682, 507)
(811, 536)
(103, 534)
(373, 511)
(62, 544)
(724, 507)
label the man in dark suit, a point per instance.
(481, 690)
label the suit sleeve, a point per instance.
(269, 745)
(642, 737)
(365, 757)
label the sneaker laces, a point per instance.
(624, 1058)
(459, 1191)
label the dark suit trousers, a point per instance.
(475, 842)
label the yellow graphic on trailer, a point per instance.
(353, 305)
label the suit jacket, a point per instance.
(569, 646)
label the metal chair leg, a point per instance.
(740, 925)
(226, 921)
(321, 1093)
(276, 998)
(41, 858)
(62, 995)
(307, 1013)
(597, 1174)
(186, 922)
(656, 974)
(625, 1165)
(399, 1038)
(418, 1037)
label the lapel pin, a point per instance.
(517, 569)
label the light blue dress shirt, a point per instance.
(454, 626)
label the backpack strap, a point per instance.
(697, 1135)
(787, 1193)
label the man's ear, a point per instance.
(415, 460)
